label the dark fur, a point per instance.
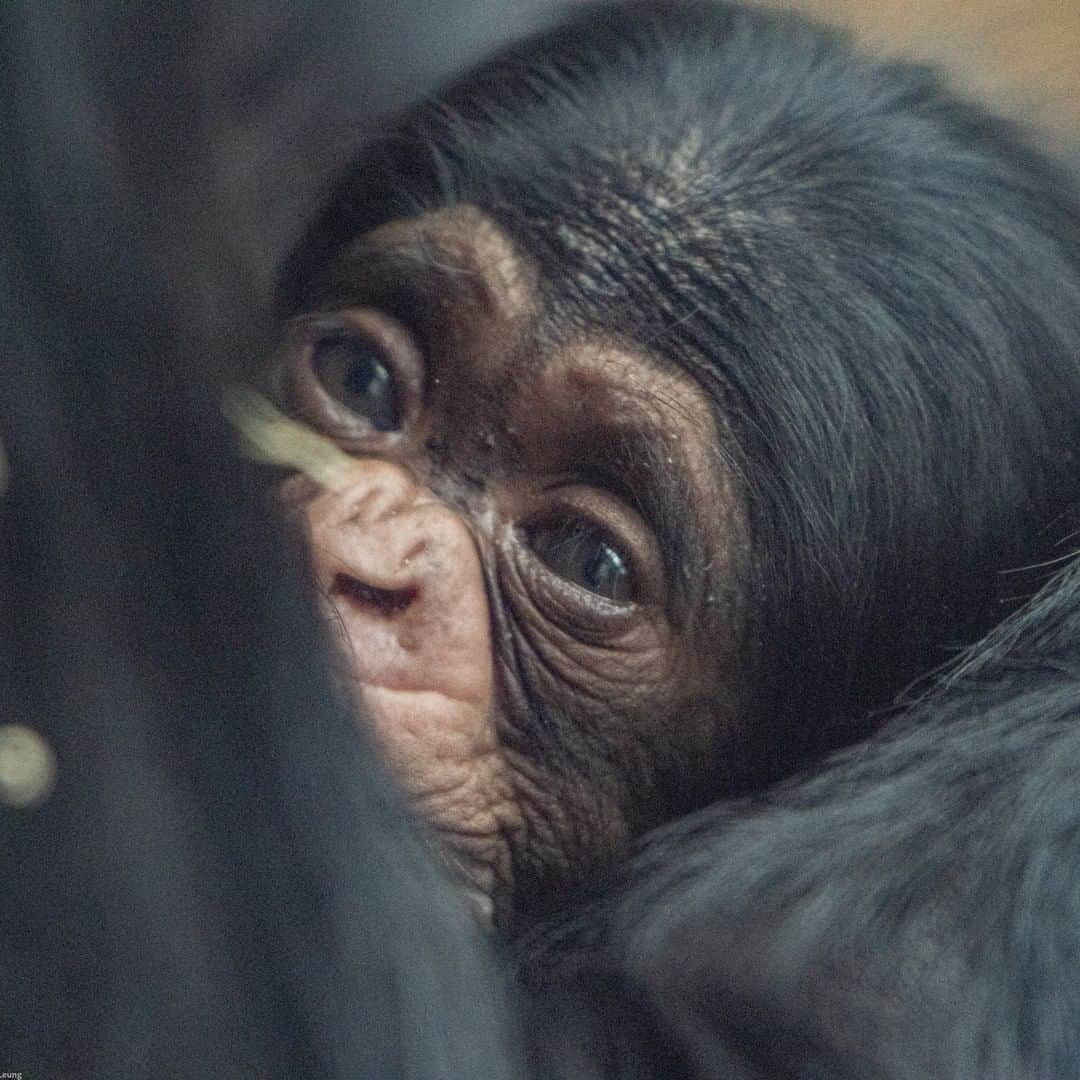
(880, 287)
(912, 909)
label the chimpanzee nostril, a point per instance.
(370, 598)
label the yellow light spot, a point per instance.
(27, 766)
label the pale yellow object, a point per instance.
(272, 437)
(27, 766)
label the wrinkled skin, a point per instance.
(544, 690)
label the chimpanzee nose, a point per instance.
(401, 573)
(369, 540)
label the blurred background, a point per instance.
(1021, 55)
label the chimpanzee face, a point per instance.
(525, 570)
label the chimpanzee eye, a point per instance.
(585, 556)
(352, 370)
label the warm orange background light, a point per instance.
(1022, 55)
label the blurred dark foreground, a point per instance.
(212, 888)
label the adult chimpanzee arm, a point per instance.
(221, 881)
(912, 909)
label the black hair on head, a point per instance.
(878, 283)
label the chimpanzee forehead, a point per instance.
(485, 291)
(466, 247)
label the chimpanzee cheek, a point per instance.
(402, 575)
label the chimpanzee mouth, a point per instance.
(369, 597)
